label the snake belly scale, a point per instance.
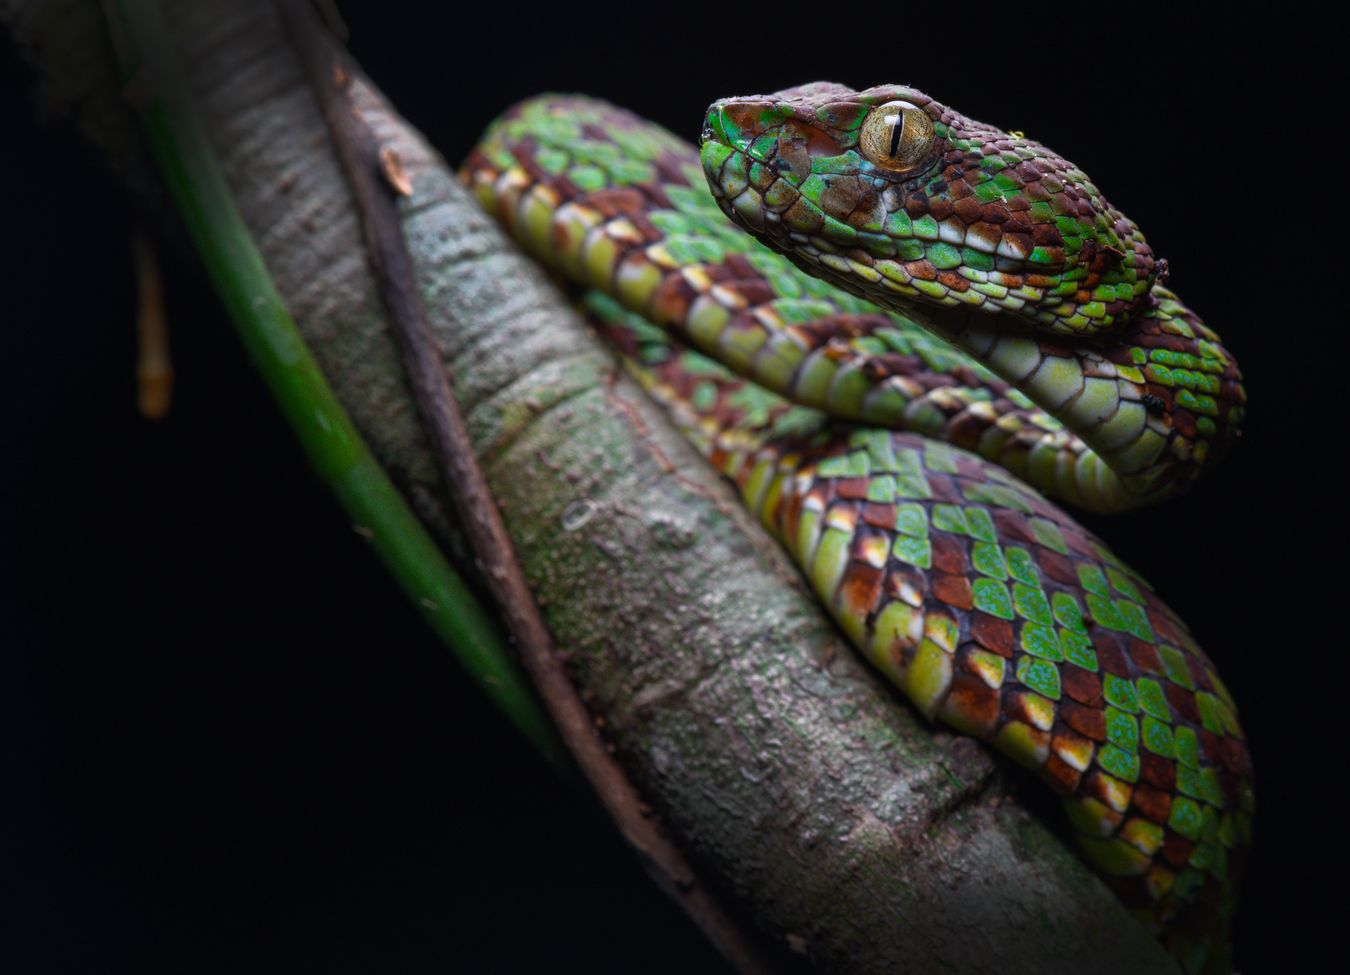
(947, 324)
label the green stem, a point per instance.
(189, 167)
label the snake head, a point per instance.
(898, 198)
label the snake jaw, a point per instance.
(999, 222)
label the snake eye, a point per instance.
(897, 137)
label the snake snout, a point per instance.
(735, 122)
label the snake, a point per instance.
(910, 340)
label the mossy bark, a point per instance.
(849, 828)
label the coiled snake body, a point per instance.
(974, 315)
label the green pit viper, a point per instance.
(910, 317)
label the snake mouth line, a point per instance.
(978, 217)
(919, 274)
(787, 223)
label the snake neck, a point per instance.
(1158, 400)
(1155, 401)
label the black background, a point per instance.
(228, 745)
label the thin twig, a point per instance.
(171, 123)
(373, 189)
(154, 366)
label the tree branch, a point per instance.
(362, 162)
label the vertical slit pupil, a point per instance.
(897, 131)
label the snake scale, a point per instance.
(912, 330)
